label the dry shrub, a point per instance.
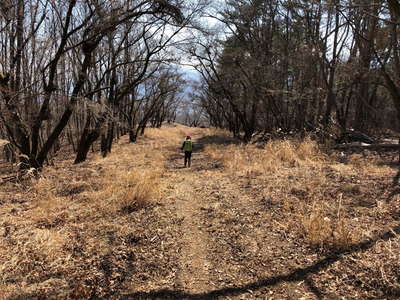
(322, 224)
(236, 158)
(317, 229)
(366, 160)
(49, 243)
(52, 288)
(44, 188)
(282, 152)
(35, 244)
(344, 169)
(356, 163)
(130, 180)
(377, 170)
(73, 220)
(215, 152)
(125, 190)
(156, 160)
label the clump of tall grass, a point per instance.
(328, 233)
(133, 191)
(322, 225)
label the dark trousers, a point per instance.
(188, 158)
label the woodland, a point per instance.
(293, 108)
(77, 72)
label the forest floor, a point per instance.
(278, 221)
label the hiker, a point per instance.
(187, 147)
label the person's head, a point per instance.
(188, 137)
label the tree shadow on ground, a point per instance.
(295, 276)
(313, 288)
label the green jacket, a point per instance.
(187, 146)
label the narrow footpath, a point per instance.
(193, 276)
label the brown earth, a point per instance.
(227, 228)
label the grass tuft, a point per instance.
(134, 191)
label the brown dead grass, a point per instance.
(133, 190)
(298, 168)
(76, 220)
(76, 232)
(274, 156)
(334, 233)
(318, 207)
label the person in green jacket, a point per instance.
(187, 147)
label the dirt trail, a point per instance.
(193, 276)
(224, 239)
(227, 239)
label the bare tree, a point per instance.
(59, 55)
(324, 66)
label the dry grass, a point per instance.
(174, 133)
(134, 190)
(322, 224)
(55, 243)
(72, 233)
(318, 206)
(299, 174)
(274, 156)
(323, 232)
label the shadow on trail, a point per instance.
(295, 276)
